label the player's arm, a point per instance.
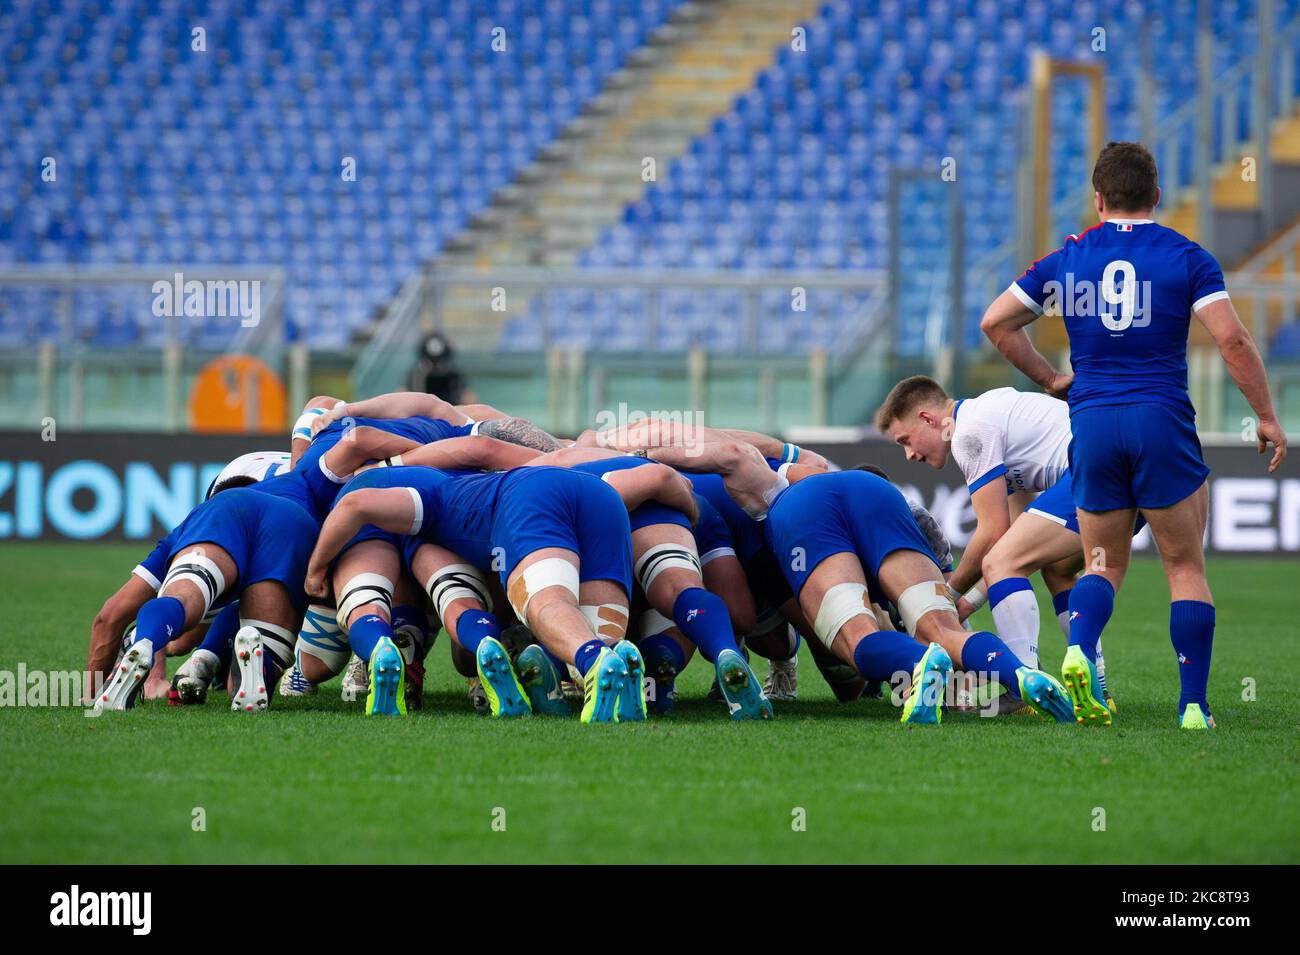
(1004, 323)
(301, 434)
(392, 509)
(771, 447)
(993, 518)
(1247, 369)
(654, 482)
(109, 624)
(397, 404)
(362, 444)
(481, 412)
(469, 453)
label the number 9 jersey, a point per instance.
(1126, 290)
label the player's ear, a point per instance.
(1099, 204)
(1158, 194)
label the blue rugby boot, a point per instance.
(1079, 674)
(506, 698)
(541, 682)
(387, 695)
(745, 697)
(929, 682)
(631, 701)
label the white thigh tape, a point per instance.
(841, 604)
(364, 589)
(652, 622)
(608, 621)
(457, 582)
(276, 641)
(322, 637)
(551, 572)
(201, 572)
(919, 599)
(660, 558)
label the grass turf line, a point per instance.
(312, 781)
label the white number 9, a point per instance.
(1124, 296)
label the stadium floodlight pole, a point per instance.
(1204, 150)
(956, 286)
(1146, 91)
(1261, 114)
(956, 261)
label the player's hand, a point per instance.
(1270, 432)
(1059, 386)
(315, 583)
(964, 609)
(322, 421)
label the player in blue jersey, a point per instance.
(560, 541)
(847, 541)
(1126, 290)
(683, 613)
(247, 536)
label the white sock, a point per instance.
(1015, 615)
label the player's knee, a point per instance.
(364, 594)
(322, 650)
(995, 566)
(549, 579)
(608, 621)
(676, 564)
(456, 588)
(839, 605)
(194, 574)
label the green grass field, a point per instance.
(313, 781)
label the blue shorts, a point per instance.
(1124, 456)
(559, 507)
(1057, 505)
(268, 537)
(712, 539)
(852, 512)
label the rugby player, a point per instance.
(1012, 449)
(1126, 289)
(559, 539)
(846, 541)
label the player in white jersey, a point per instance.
(1013, 450)
(256, 465)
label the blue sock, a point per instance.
(884, 653)
(160, 621)
(1061, 601)
(366, 633)
(220, 639)
(473, 626)
(703, 617)
(661, 645)
(984, 652)
(1092, 601)
(1191, 630)
(416, 623)
(585, 655)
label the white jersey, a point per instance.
(1019, 436)
(259, 465)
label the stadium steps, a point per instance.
(1239, 232)
(707, 54)
(1239, 243)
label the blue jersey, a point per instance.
(322, 486)
(1126, 290)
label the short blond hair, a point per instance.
(908, 395)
